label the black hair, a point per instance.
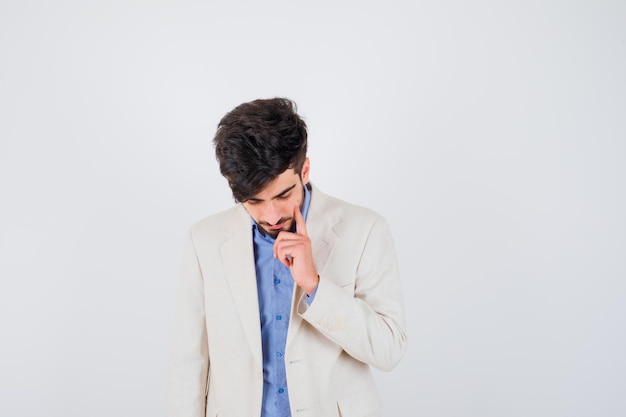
(257, 141)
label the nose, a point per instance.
(272, 213)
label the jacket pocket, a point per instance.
(365, 403)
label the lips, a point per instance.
(282, 222)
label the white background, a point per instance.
(491, 135)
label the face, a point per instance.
(272, 208)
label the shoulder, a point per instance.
(220, 225)
(342, 212)
(323, 202)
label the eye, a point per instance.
(253, 202)
(283, 197)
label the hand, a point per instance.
(294, 250)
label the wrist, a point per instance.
(312, 285)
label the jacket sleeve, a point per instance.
(189, 359)
(363, 313)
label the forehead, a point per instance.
(278, 185)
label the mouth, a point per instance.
(275, 228)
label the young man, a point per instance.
(286, 299)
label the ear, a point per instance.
(305, 171)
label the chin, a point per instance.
(272, 233)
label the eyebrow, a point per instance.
(285, 191)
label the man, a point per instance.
(286, 299)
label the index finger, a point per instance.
(300, 224)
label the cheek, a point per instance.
(285, 208)
(296, 202)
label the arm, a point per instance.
(365, 316)
(189, 359)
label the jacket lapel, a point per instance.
(321, 221)
(238, 257)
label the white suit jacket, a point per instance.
(356, 319)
